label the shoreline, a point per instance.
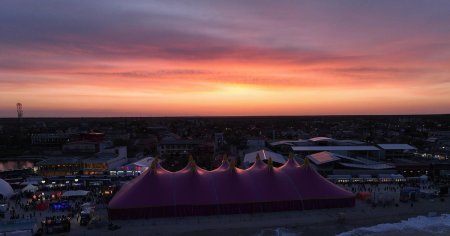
(311, 222)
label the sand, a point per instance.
(312, 222)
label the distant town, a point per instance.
(407, 145)
(78, 165)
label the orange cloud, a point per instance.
(221, 59)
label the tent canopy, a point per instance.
(226, 190)
(30, 188)
(5, 189)
(75, 193)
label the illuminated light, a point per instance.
(76, 180)
(43, 181)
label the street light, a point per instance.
(76, 180)
(43, 181)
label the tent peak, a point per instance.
(306, 162)
(291, 156)
(232, 164)
(154, 164)
(192, 162)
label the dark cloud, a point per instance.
(179, 31)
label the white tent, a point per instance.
(88, 206)
(30, 188)
(5, 189)
(145, 162)
(75, 193)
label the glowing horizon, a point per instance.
(233, 58)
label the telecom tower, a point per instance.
(19, 111)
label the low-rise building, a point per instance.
(86, 146)
(98, 164)
(108, 159)
(58, 166)
(329, 163)
(49, 138)
(178, 146)
(392, 151)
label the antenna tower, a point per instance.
(19, 111)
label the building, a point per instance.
(285, 146)
(392, 151)
(49, 138)
(105, 161)
(117, 135)
(368, 151)
(86, 146)
(343, 147)
(95, 164)
(133, 169)
(256, 143)
(328, 163)
(59, 166)
(264, 155)
(178, 146)
(350, 148)
(219, 141)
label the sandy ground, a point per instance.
(313, 222)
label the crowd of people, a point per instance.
(52, 212)
(56, 224)
(389, 193)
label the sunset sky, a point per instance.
(189, 58)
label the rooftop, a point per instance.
(264, 155)
(398, 146)
(380, 166)
(59, 161)
(321, 139)
(180, 142)
(322, 158)
(335, 148)
(362, 163)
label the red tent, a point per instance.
(363, 195)
(226, 190)
(42, 206)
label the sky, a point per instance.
(233, 58)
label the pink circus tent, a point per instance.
(226, 190)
